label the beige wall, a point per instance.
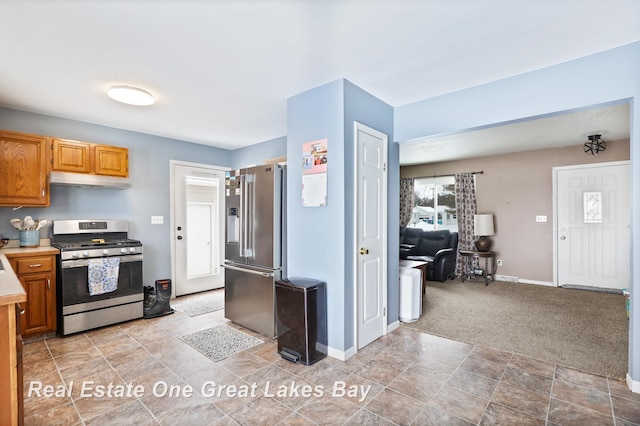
(516, 188)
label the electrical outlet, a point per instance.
(541, 218)
(157, 220)
(499, 263)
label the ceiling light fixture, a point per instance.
(131, 95)
(595, 145)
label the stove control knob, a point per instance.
(123, 250)
(75, 254)
(132, 249)
(105, 252)
(85, 253)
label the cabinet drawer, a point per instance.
(34, 264)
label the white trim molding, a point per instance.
(634, 385)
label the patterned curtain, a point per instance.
(466, 207)
(406, 200)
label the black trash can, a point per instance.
(301, 319)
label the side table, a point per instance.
(488, 273)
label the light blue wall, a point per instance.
(315, 235)
(597, 79)
(149, 173)
(256, 154)
(321, 240)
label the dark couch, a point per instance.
(439, 248)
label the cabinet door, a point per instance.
(19, 368)
(39, 316)
(23, 170)
(8, 371)
(71, 156)
(111, 160)
(37, 276)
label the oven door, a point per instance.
(73, 283)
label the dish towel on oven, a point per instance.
(103, 275)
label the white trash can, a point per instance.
(410, 294)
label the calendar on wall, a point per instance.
(314, 173)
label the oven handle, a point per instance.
(81, 263)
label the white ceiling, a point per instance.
(221, 71)
(556, 131)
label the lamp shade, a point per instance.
(483, 225)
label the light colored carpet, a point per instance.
(220, 342)
(199, 304)
(580, 329)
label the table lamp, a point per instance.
(483, 228)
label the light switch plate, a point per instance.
(541, 218)
(157, 220)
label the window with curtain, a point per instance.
(435, 204)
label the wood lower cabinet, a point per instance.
(19, 366)
(10, 367)
(37, 274)
(23, 170)
(85, 157)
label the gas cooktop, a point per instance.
(98, 242)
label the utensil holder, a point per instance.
(30, 238)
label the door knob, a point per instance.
(364, 251)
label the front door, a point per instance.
(371, 223)
(593, 225)
(197, 228)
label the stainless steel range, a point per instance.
(93, 253)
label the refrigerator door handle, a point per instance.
(249, 271)
(249, 202)
(243, 220)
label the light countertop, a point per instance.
(11, 290)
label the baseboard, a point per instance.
(511, 279)
(341, 355)
(544, 283)
(345, 355)
(634, 385)
(393, 326)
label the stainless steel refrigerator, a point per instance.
(254, 208)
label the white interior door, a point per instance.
(593, 225)
(197, 228)
(371, 224)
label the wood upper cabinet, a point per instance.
(23, 170)
(85, 157)
(70, 156)
(111, 160)
(37, 274)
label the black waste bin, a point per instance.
(301, 319)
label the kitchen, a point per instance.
(148, 179)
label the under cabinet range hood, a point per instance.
(82, 180)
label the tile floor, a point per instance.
(414, 378)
